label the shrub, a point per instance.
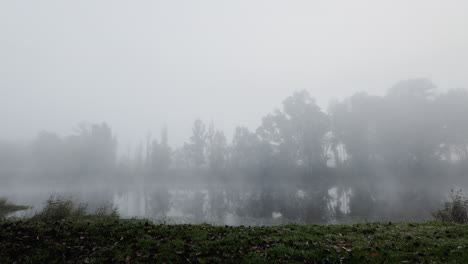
(107, 210)
(8, 208)
(58, 208)
(455, 210)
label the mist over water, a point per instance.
(240, 112)
(394, 157)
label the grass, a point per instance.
(105, 240)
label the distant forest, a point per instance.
(395, 155)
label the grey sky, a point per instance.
(141, 64)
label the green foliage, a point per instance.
(58, 208)
(455, 210)
(107, 210)
(8, 208)
(140, 241)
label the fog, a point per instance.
(247, 112)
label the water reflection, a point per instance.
(224, 204)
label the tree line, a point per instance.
(405, 146)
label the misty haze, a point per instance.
(246, 131)
(392, 157)
(237, 113)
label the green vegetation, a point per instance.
(455, 210)
(59, 208)
(8, 208)
(102, 240)
(65, 232)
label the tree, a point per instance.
(354, 126)
(47, 149)
(197, 145)
(244, 148)
(182, 157)
(297, 133)
(217, 150)
(453, 108)
(159, 156)
(412, 89)
(408, 130)
(91, 151)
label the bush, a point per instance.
(455, 210)
(107, 210)
(8, 208)
(58, 208)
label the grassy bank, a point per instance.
(139, 241)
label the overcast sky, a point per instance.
(140, 65)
